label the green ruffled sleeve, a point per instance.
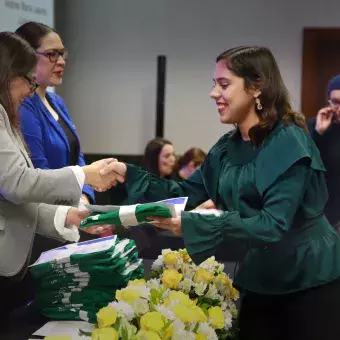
(285, 168)
(142, 185)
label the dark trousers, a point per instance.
(312, 314)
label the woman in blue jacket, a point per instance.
(45, 123)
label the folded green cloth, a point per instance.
(114, 266)
(72, 313)
(112, 259)
(128, 215)
(114, 280)
(86, 295)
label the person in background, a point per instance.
(188, 163)
(159, 157)
(32, 200)
(325, 131)
(45, 122)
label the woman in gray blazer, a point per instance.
(31, 200)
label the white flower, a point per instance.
(178, 265)
(212, 292)
(224, 305)
(185, 285)
(207, 331)
(166, 312)
(200, 288)
(182, 334)
(233, 309)
(220, 267)
(123, 309)
(144, 291)
(166, 293)
(158, 264)
(208, 266)
(141, 306)
(188, 271)
(166, 251)
(154, 284)
(228, 320)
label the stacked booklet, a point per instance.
(75, 281)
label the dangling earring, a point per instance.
(258, 104)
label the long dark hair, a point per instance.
(258, 68)
(33, 32)
(17, 59)
(151, 154)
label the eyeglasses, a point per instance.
(334, 102)
(54, 55)
(32, 83)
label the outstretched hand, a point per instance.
(114, 170)
(101, 175)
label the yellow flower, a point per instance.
(152, 321)
(171, 258)
(180, 297)
(128, 295)
(223, 280)
(189, 314)
(106, 316)
(201, 336)
(234, 294)
(108, 333)
(203, 275)
(137, 282)
(185, 256)
(216, 317)
(171, 278)
(147, 335)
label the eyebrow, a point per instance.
(221, 79)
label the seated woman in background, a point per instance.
(45, 122)
(188, 163)
(159, 158)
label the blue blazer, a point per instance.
(45, 138)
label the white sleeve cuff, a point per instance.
(80, 175)
(70, 232)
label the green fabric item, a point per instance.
(142, 212)
(115, 280)
(86, 296)
(273, 197)
(108, 260)
(62, 312)
(110, 266)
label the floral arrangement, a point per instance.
(180, 301)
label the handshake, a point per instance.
(104, 174)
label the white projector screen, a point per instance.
(14, 13)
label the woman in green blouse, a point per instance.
(268, 178)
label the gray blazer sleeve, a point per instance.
(21, 184)
(45, 222)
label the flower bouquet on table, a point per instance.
(180, 301)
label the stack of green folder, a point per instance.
(75, 281)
